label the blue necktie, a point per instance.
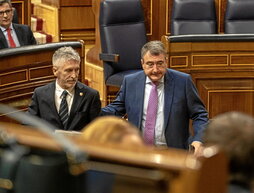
(63, 111)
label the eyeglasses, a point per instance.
(7, 12)
(158, 64)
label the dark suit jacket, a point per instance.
(237, 188)
(24, 34)
(181, 104)
(85, 107)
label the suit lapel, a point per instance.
(78, 96)
(169, 93)
(18, 33)
(51, 98)
(140, 92)
(3, 41)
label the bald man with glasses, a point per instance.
(11, 34)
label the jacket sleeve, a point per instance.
(95, 106)
(197, 110)
(31, 38)
(33, 108)
(117, 107)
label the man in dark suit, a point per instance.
(177, 102)
(83, 103)
(11, 34)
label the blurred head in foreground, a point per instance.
(233, 132)
(111, 129)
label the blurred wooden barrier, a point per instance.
(141, 169)
(24, 68)
(222, 67)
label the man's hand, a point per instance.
(198, 147)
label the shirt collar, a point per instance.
(148, 80)
(59, 90)
(4, 29)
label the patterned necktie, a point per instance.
(63, 111)
(151, 115)
(10, 39)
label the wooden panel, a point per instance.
(148, 12)
(242, 100)
(77, 22)
(43, 71)
(55, 3)
(168, 17)
(221, 8)
(75, 3)
(21, 83)
(13, 77)
(179, 61)
(50, 15)
(24, 10)
(209, 60)
(242, 59)
(222, 71)
(221, 92)
(220, 46)
(72, 18)
(24, 60)
(94, 75)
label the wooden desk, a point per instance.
(222, 67)
(140, 169)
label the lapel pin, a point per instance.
(81, 94)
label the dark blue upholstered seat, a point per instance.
(193, 17)
(122, 33)
(239, 17)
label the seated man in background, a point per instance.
(11, 34)
(160, 102)
(233, 132)
(66, 103)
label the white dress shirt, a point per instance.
(13, 34)
(58, 97)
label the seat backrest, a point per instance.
(239, 17)
(123, 32)
(193, 17)
(15, 16)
